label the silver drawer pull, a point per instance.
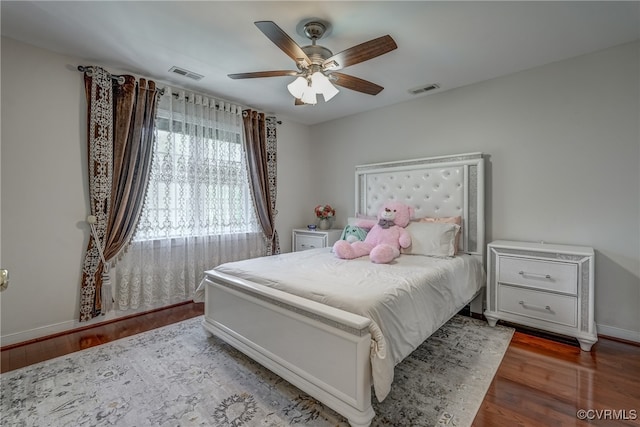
(546, 276)
(546, 307)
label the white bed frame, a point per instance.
(322, 350)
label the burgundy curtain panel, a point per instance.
(121, 118)
(132, 153)
(260, 149)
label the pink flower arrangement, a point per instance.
(325, 211)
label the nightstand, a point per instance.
(304, 239)
(544, 286)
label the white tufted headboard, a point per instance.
(435, 187)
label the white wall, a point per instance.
(563, 149)
(43, 190)
(295, 199)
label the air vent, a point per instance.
(422, 89)
(186, 73)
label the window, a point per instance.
(198, 210)
(198, 184)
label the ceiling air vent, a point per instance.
(186, 73)
(422, 89)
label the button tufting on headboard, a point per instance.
(435, 187)
(444, 196)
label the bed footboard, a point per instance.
(321, 350)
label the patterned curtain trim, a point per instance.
(100, 140)
(272, 145)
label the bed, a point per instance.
(336, 328)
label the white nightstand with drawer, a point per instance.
(304, 239)
(544, 286)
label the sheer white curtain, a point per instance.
(198, 210)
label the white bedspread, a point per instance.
(406, 300)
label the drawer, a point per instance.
(561, 309)
(304, 242)
(546, 275)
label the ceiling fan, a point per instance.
(317, 65)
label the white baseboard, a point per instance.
(35, 333)
(623, 334)
(56, 328)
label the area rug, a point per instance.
(178, 376)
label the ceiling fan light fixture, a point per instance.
(309, 96)
(330, 93)
(321, 84)
(298, 87)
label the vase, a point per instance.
(324, 224)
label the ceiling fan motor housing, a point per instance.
(317, 54)
(314, 30)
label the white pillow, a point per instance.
(432, 239)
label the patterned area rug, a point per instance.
(177, 376)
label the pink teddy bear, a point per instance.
(384, 240)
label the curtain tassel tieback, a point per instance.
(106, 295)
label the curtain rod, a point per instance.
(189, 92)
(161, 91)
(119, 79)
(176, 95)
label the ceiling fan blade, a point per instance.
(355, 83)
(298, 101)
(283, 41)
(278, 73)
(360, 53)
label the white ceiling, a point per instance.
(450, 43)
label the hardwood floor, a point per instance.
(18, 356)
(544, 382)
(539, 383)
